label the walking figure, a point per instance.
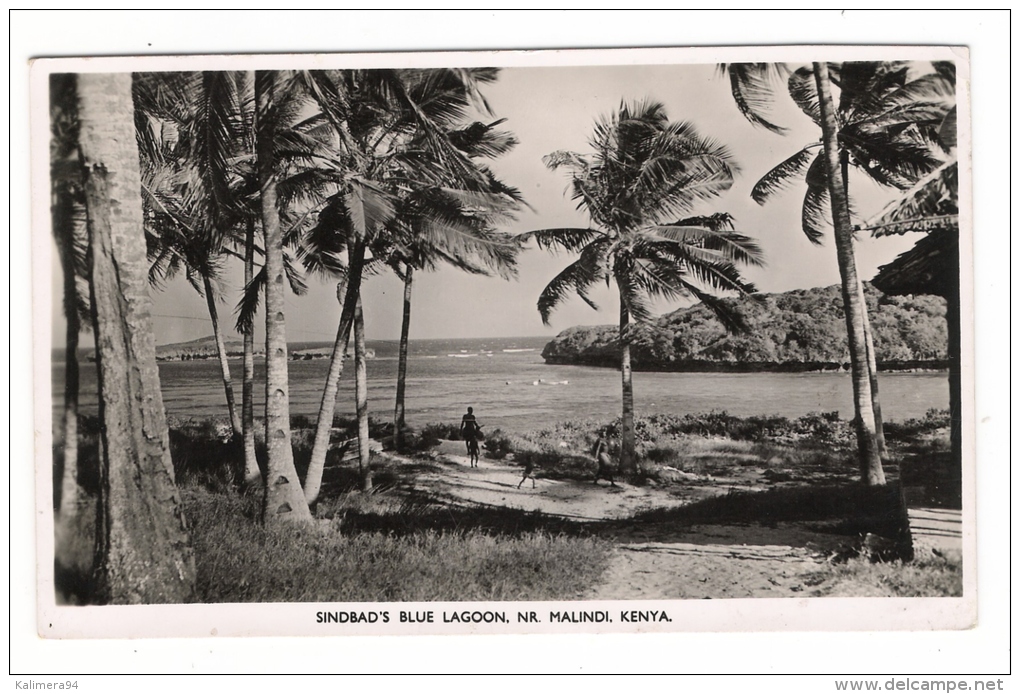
(470, 430)
(529, 471)
(604, 462)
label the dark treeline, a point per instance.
(801, 330)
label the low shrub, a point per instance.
(498, 445)
(662, 455)
(934, 421)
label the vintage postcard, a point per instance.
(636, 340)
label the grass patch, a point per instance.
(928, 575)
(240, 561)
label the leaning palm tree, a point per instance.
(386, 136)
(643, 173)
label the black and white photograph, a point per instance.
(641, 328)
(675, 347)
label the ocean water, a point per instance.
(517, 390)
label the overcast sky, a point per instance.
(548, 109)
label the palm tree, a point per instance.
(191, 135)
(71, 236)
(855, 310)
(643, 172)
(386, 136)
(435, 225)
(883, 126)
(142, 548)
(932, 266)
(284, 499)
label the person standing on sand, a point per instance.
(529, 471)
(470, 429)
(604, 462)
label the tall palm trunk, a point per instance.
(64, 231)
(252, 474)
(955, 383)
(405, 330)
(869, 341)
(221, 352)
(628, 456)
(284, 499)
(867, 445)
(69, 476)
(143, 554)
(327, 406)
(361, 398)
(869, 344)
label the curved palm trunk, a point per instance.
(867, 445)
(284, 501)
(143, 554)
(221, 352)
(869, 341)
(252, 473)
(628, 456)
(405, 329)
(361, 398)
(327, 406)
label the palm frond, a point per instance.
(804, 93)
(725, 312)
(292, 269)
(369, 207)
(783, 174)
(815, 220)
(632, 295)
(753, 87)
(725, 245)
(578, 277)
(248, 306)
(564, 158)
(570, 239)
(932, 199)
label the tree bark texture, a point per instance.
(284, 499)
(252, 472)
(361, 398)
(63, 212)
(405, 332)
(869, 340)
(867, 445)
(955, 383)
(327, 406)
(869, 344)
(628, 462)
(221, 352)
(143, 554)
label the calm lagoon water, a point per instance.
(445, 376)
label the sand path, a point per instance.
(649, 561)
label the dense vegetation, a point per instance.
(400, 544)
(797, 330)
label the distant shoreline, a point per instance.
(705, 366)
